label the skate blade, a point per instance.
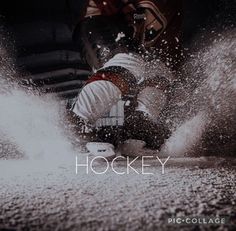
(106, 150)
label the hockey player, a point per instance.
(119, 39)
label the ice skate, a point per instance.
(139, 127)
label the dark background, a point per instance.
(43, 40)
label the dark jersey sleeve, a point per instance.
(99, 38)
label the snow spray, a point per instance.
(30, 125)
(208, 110)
